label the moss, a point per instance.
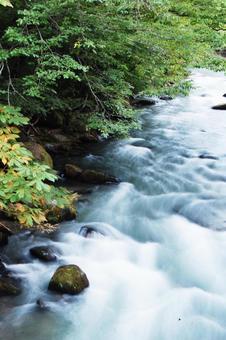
(69, 279)
(40, 153)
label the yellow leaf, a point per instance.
(6, 3)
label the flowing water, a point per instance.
(160, 271)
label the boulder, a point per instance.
(143, 101)
(43, 253)
(68, 279)
(219, 107)
(40, 153)
(9, 286)
(224, 95)
(72, 171)
(97, 177)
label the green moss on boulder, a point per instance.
(68, 279)
(40, 153)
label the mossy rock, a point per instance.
(9, 286)
(72, 171)
(40, 153)
(57, 215)
(97, 177)
(69, 279)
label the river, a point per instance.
(160, 271)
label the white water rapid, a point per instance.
(160, 271)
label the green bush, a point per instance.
(24, 192)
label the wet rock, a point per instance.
(219, 107)
(42, 304)
(97, 177)
(43, 253)
(10, 286)
(40, 153)
(89, 231)
(224, 95)
(57, 215)
(72, 171)
(207, 156)
(3, 270)
(68, 279)
(165, 97)
(143, 101)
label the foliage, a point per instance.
(24, 193)
(79, 62)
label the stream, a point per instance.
(159, 270)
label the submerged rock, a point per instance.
(68, 279)
(41, 304)
(143, 101)
(43, 253)
(224, 95)
(207, 156)
(219, 107)
(40, 153)
(97, 177)
(10, 286)
(72, 171)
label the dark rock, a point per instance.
(69, 279)
(165, 97)
(206, 156)
(72, 171)
(97, 177)
(57, 215)
(40, 153)
(89, 137)
(43, 253)
(5, 232)
(41, 304)
(224, 95)
(3, 238)
(3, 270)
(143, 101)
(10, 286)
(219, 107)
(89, 231)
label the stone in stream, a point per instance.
(97, 177)
(41, 304)
(43, 253)
(143, 101)
(88, 231)
(219, 107)
(68, 279)
(9, 286)
(224, 95)
(207, 156)
(165, 97)
(72, 171)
